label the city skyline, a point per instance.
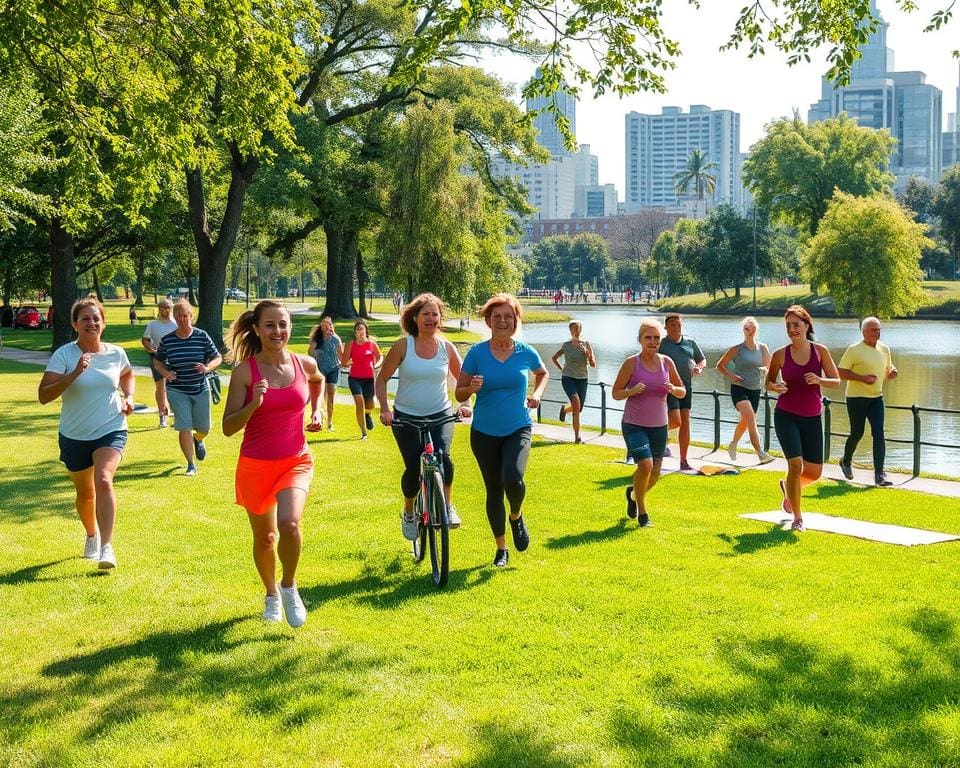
(761, 89)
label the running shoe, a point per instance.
(798, 525)
(191, 471)
(521, 538)
(732, 451)
(293, 607)
(107, 559)
(667, 453)
(272, 610)
(563, 413)
(369, 420)
(200, 448)
(631, 504)
(685, 467)
(453, 519)
(764, 457)
(846, 468)
(91, 547)
(881, 480)
(501, 558)
(643, 520)
(409, 527)
(163, 422)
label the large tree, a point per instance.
(867, 254)
(632, 237)
(946, 205)
(698, 172)
(795, 168)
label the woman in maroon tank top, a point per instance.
(804, 367)
(269, 390)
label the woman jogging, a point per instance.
(363, 356)
(644, 381)
(269, 391)
(750, 360)
(577, 354)
(326, 348)
(806, 367)
(96, 384)
(423, 361)
(496, 372)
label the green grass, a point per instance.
(942, 299)
(707, 640)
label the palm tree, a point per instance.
(697, 172)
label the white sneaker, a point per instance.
(91, 548)
(764, 457)
(163, 422)
(107, 559)
(272, 611)
(409, 527)
(732, 451)
(293, 607)
(191, 471)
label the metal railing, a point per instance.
(765, 426)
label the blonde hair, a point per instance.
(242, 338)
(750, 320)
(408, 315)
(655, 324)
(183, 305)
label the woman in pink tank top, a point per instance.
(644, 381)
(804, 367)
(269, 391)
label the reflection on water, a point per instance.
(926, 353)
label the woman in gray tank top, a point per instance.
(750, 360)
(577, 354)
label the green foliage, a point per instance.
(568, 262)
(917, 196)
(697, 171)
(867, 254)
(946, 205)
(795, 168)
(22, 138)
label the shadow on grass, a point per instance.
(839, 489)
(33, 573)
(748, 543)
(511, 746)
(36, 495)
(790, 702)
(616, 531)
(144, 470)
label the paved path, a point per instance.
(697, 456)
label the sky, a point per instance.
(760, 89)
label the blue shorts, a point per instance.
(360, 387)
(572, 386)
(153, 370)
(190, 412)
(644, 442)
(77, 455)
(332, 377)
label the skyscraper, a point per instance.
(657, 146)
(901, 102)
(545, 121)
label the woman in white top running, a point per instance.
(423, 360)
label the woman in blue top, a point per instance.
(496, 371)
(326, 348)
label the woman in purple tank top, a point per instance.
(269, 390)
(804, 367)
(644, 381)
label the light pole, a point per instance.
(754, 257)
(248, 276)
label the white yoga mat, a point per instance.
(887, 534)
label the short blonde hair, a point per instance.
(184, 306)
(651, 323)
(497, 300)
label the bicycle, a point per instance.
(430, 505)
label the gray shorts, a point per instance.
(190, 412)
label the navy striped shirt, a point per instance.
(182, 355)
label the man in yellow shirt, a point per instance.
(865, 366)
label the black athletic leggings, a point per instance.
(502, 461)
(408, 441)
(860, 410)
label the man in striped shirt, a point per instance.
(184, 358)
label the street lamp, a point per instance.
(754, 257)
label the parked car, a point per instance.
(235, 293)
(29, 317)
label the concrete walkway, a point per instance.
(697, 457)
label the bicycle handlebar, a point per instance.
(421, 422)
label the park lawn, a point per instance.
(707, 640)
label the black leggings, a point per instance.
(860, 410)
(408, 441)
(502, 461)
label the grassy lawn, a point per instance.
(707, 640)
(942, 298)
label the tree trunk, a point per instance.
(63, 282)
(362, 278)
(342, 245)
(96, 286)
(139, 268)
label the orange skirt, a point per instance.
(259, 481)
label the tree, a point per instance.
(917, 196)
(588, 251)
(698, 171)
(867, 254)
(633, 237)
(732, 244)
(946, 205)
(664, 267)
(795, 168)
(22, 135)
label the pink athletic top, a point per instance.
(275, 431)
(649, 408)
(800, 399)
(361, 360)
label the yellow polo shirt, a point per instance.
(863, 360)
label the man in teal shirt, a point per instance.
(690, 361)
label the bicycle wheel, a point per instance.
(438, 530)
(419, 543)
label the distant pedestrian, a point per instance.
(362, 354)
(865, 366)
(750, 359)
(326, 348)
(577, 355)
(152, 334)
(133, 314)
(689, 361)
(96, 383)
(806, 366)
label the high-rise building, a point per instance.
(901, 102)
(545, 122)
(550, 186)
(951, 139)
(658, 146)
